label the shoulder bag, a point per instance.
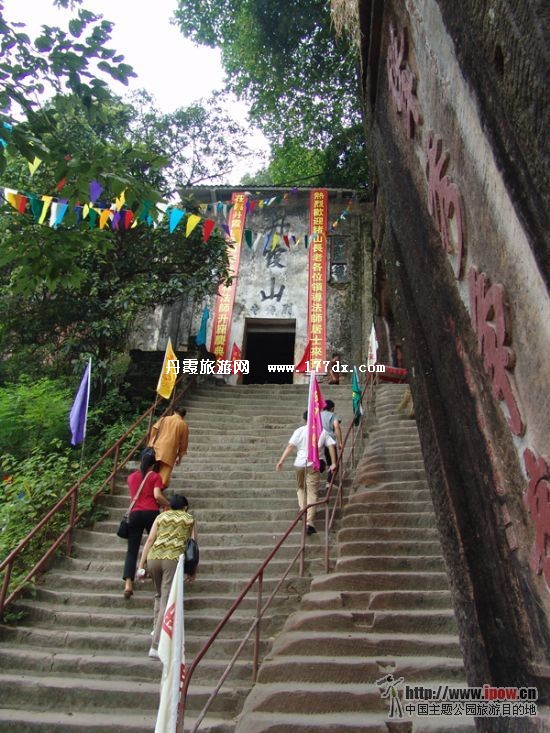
(122, 530)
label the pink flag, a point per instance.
(172, 655)
(315, 404)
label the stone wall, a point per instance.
(459, 230)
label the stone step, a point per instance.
(87, 694)
(360, 533)
(400, 564)
(352, 669)
(108, 665)
(377, 600)
(380, 581)
(231, 586)
(208, 553)
(380, 519)
(262, 502)
(422, 622)
(262, 539)
(388, 507)
(143, 601)
(203, 622)
(383, 549)
(344, 722)
(363, 644)
(132, 641)
(125, 721)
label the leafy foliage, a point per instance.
(32, 413)
(299, 77)
(75, 62)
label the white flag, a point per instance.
(172, 655)
(373, 348)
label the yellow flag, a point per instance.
(192, 222)
(169, 373)
(34, 165)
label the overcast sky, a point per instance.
(169, 66)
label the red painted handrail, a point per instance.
(6, 565)
(259, 577)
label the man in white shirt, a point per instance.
(307, 478)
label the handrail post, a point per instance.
(257, 629)
(115, 468)
(5, 586)
(303, 546)
(72, 518)
(327, 504)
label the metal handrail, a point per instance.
(72, 495)
(259, 577)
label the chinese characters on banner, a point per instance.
(224, 303)
(317, 285)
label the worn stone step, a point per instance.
(262, 502)
(209, 584)
(361, 533)
(124, 641)
(124, 721)
(399, 564)
(404, 622)
(107, 665)
(342, 722)
(380, 581)
(354, 669)
(377, 600)
(369, 644)
(381, 549)
(203, 622)
(388, 507)
(87, 694)
(143, 600)
(396, 519)
(260, 539)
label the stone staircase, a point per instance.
(77, 662)
(385, 609)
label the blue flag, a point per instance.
(79, 411)
(201, 336)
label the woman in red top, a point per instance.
(143, 514)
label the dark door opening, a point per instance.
(268, 346)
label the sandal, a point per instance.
(128, 594)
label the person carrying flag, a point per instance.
(169, 438)
(308, 477)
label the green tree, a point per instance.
(78, 290)
(300, 79)
(76, 62)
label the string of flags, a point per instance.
(52, 210)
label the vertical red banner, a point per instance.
(317, 283)
(223, 313)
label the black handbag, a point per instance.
(122, 530)
(191, 557)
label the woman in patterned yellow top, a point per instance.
(165, 543)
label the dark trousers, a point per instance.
(137, 522)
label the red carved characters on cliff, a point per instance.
(403, 81)
(489, 322)
(445, 201)
(537, 502)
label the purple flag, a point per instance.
(79, 410)
(95, 191)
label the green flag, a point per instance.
(356, 396)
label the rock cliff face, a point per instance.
(457, 107)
